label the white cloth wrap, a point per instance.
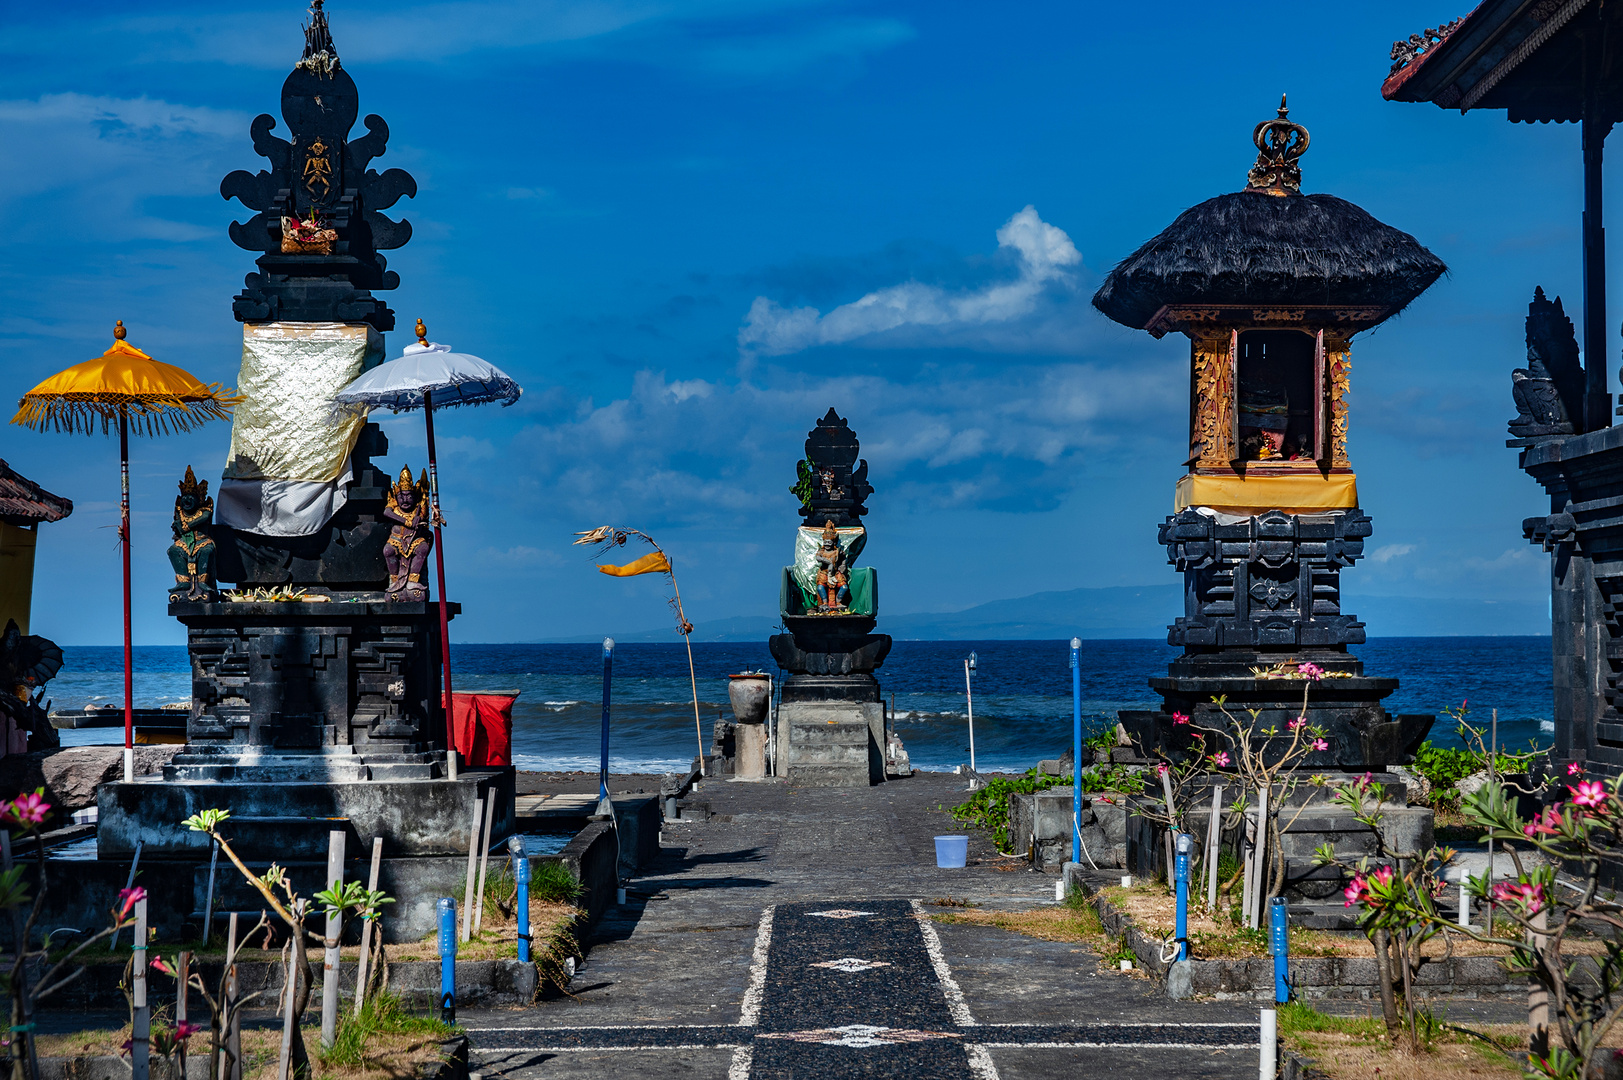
(289, 465)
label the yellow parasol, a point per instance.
(126, 385)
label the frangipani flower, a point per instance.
(1588, 793)
(129, 898)
(1221, 758)
(25, 810)
(1320, 744)
(1575, 769)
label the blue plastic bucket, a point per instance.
(951, 852)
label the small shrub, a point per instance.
(382, 1014)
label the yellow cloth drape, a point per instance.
(654, 562)
(1295, 494)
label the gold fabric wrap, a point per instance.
(1246, 496)
(289, 427)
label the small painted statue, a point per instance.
(411, 539)
(192, 553)
(833, 572)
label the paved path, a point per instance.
(788, 937)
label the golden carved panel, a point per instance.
(1214, 399)
(1339, 355)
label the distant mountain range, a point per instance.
(1142, 611)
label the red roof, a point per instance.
(1397, 78)
(24, 502)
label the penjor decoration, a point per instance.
(412, 537)
(192, 553)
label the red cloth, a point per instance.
(484, 728)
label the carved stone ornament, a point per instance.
(1406, 51)
(1279, 144)
(1549, 390)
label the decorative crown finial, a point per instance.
(1279, 142)
(119, 333)
(422, 333)
(320, 54)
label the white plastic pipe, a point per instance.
(1268, 1046)
(1465, 904)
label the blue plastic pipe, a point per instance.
(1181, 871)
(521, 874)
(1076, 753)
(1279, 937)
(603, 765)
(446, 908)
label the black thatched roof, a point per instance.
(1249, 248)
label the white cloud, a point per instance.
(1388, 552)
(1043, 254)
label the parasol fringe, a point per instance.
(148, 415)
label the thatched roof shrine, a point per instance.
(1269, 247)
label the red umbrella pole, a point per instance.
(439, 566)
(124, 543)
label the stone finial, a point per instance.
(1280, 142)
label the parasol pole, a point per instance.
(124, 543)
(439, 566)
(687, 630)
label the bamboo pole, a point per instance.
(1214, 843)
(473, 866)
(334, 929)
(366, 927)
(484, 863)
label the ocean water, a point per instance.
(1022, 693)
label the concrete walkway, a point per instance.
(787, 936)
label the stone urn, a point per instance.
(751, 694)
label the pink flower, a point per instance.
(1355, 892)
(1575, 769)
(159, 965)
(1221, 758)
(1382, 876)
(25, 810)
(184, 1030)
(1298, 722)
(1310, 671)
(1179, 718)
(1588, 793)
(129, 898)
(1532, 896)
(1548, 823)
(1161, 769)
(1320, 744)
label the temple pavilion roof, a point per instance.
(23, 502)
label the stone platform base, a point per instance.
(833, 743)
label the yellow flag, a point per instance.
(652, 563)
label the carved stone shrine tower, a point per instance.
(315, 700)
(1270, 286)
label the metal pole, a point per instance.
(208, 901)
(969, 706)
(130, 884)
(124, 545)
(335, 927)
(603, 805)
(439, 566)
(521, 899)
(1184, 845)
(366, 927)
(473, 865)
(1279, 937)
(141, 1021)
(447, 914)
(484, 863)
(1076, 751)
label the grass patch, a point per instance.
(1356, 1048)
(554, 883)
(364, 1040)
(1074, 921)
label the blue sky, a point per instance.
(688, 229)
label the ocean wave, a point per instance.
(582, 763)
(1546, 725)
